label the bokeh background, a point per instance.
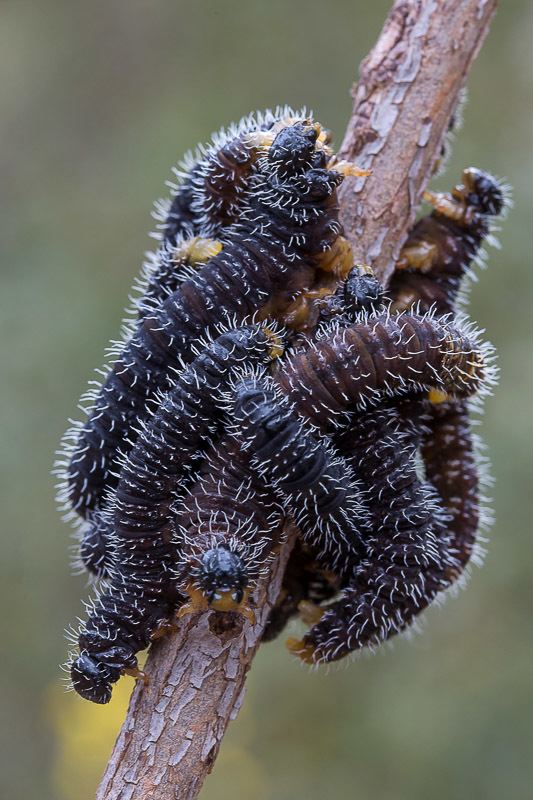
(98, 101)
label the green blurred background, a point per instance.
(98, 101)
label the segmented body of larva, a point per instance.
(142, 525)
(272, 253)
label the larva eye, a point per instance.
(222, 571)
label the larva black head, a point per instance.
(222, 578)
(481, 191)
(293, 149)
(90, 679)
(361, 292)
(318, 184)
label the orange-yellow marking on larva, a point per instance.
(419, 256)
(438, 396)
(309, 612)
(196, 251)
(224, 602)
(348, 169)
(338, 259)
(305, 652)
(277, 348)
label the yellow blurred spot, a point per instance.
(438, 396)
(84, 734)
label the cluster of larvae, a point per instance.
(263, 376)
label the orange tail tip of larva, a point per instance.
(348, 169)
(305, 652)
(138, 674)
(309, 612)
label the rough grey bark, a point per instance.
(408, 88)
(406, 94)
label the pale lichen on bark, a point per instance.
(408, 87)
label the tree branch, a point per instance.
(403, 102)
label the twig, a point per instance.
(408, 89)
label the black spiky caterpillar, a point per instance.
(227, 526)
(313, 483)
(142, 528)
(213, 182)
(290, 223)
(439, 252)
(435, 263)
(408, 562)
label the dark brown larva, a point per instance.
(360, 364)
(213, 182)
(273, 251)
(439, 253)
(144, 550)
(226, 528)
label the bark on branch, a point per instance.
(407, 91)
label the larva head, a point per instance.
(294, 150)
(222, 578)
(480, 191)
(361, 291)
(89, 679)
